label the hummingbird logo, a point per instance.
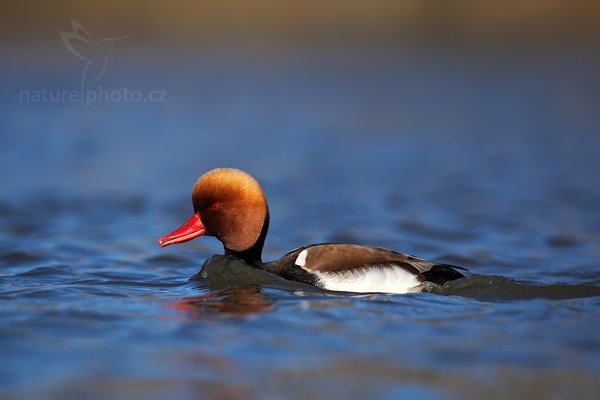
(95, 53)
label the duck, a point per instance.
(230, 205)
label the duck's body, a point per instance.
(356, 268)
(230, 205)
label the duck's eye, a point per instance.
(215, 206)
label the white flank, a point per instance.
(301, 259)
(390, 279)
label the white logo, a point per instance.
(95, 53)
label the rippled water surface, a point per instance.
(488, 164)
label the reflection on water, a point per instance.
(491, 166)
(249, 298)
(238, 301)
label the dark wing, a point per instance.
(299, 264)
(335, 257)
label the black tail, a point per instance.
(442, 273)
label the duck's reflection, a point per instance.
(239, 301)
(235, 286)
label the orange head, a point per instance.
(228, 204)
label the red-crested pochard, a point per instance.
(230, 205)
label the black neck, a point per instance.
(253, 255)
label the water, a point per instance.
(486, 163)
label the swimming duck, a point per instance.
(230, 205)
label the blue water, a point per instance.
(488, 162)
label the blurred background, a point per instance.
(464, 131)
(212, 23)
(217, 75)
